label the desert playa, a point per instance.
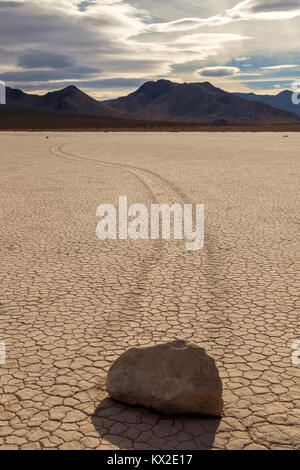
(70, 304)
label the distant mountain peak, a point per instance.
(285, 93)
(163, 80)
(69, 100)
(161, 85)
(282, 100)
(72, 87)
(208, 85)
(195, 102)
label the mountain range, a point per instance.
(281, 101)
(165, 101)
(70, 100)
(195, 102)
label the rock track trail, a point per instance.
(162, 254)
(159, 190)
(71, 304)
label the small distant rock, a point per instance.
(172, 378)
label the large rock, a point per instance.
(173, 378)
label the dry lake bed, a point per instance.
(70, 304)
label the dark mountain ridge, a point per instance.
(195, 102)
(157, 101)
(70, 100)
(281, 101)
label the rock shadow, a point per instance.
(129, 427)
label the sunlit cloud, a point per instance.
(46, 43)
(244, 11)
(279, 67)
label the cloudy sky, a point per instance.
(109, 47)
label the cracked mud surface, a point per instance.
(71, 304)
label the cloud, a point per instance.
(12, 4)
(50, 40)
(218, 71)
(113, 83)
(274, 5)
(188, 47)
(48, 74)
(265, 10)
(116, 83)
(187, 24)
(279, 67)
(243, 11)
(94, 42)
(43, 59)
(83, 6)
